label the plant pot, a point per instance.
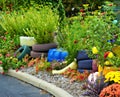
(57, 54)
(44, 47)
(28, 41)
(82, 55)
(83, 70)
(107, 69)
(22, 51)
(85, 64)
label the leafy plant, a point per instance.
(7, 62)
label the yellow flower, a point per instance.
(85, 5)
(113, 76)
(107, 63)
(94, 50)
(110, 55)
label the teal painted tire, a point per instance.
(23, 50)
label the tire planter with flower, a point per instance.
(42, 49)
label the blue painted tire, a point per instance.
(82, 70)
(23, 51)
(82, 55)
(85, 64)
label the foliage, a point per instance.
(43, 22)
(75, 75)
(9, 62)
(113, 76)
(100, 30)
(92, 28)
(14, 23)
(55, 65)
(8, 44)
(111, 91)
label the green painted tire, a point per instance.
(23, 50)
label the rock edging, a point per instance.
(56, 91)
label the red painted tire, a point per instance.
(37, 54)
(43, 47)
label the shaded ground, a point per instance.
(11, 87)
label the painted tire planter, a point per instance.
(83, 70)
(56, 54)
(28, 41)
(43, 47)
(38, 54)
(107, 69)
(82, 55)
(85, 64)
(23, 50)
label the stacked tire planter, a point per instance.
(39, 50)
(84, 62)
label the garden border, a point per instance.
(54, 90)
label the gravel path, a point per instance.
(73, 88)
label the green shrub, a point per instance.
(42, 24)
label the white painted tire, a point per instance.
(28, 41)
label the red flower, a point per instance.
(75, 41)
(103, 13)
(21, 67)
(110, 4)
(82, 10)
(0, 55)
(7, 55)
(80, 77)
(0, 62)
(17, 70)
(3, 73)
(106, 54)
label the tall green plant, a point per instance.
(42, 23)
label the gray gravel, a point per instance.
(73, 88)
